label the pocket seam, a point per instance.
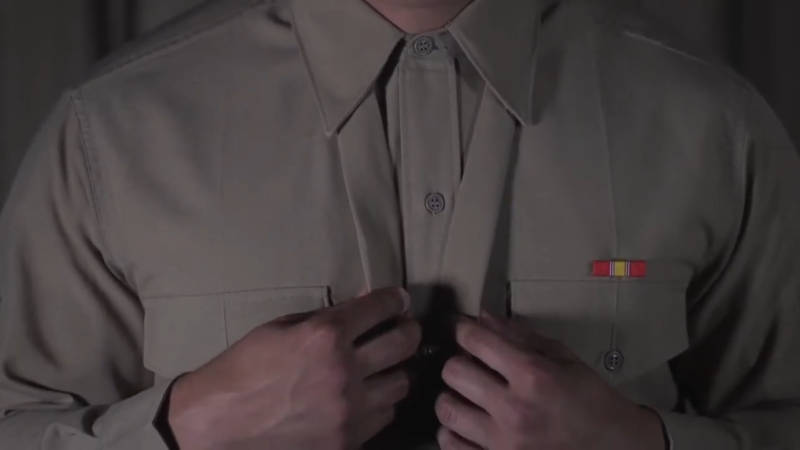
(597, 280)
(156, 341)
(323, 290)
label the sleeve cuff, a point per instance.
(685, 432)
(133, 422)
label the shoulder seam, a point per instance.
(109, 251)
(614, 27)
(84, 131)
(728, 73)
(174, 42)
(746, 124)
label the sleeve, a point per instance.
(741, 375)
(71, 372)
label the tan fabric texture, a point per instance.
(262, 158)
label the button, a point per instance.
(423, 46)
(614, 360)
(427, 350)
(434, 203)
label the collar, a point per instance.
(346, 44)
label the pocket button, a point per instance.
(614, 360)
(435, 203)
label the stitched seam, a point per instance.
(741, 159)
(595, 281)
(329, 128)
(722, 70)
(225, 334)
(614, 26)
(175, 42)
(245, 291)
(85, 130)
(213, 302)
(592, 39)
(221, 165)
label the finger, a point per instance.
(527, 338)
(361, 314)
(465, 420)
(293, 319)
(384, 391)
(390, 348)
(369, 425)
(451, 441)
(503, 328)
(474, 383)
(492, 349)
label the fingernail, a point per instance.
(406, 300)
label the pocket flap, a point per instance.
(644, 322)
(183, 333)
(651, 326)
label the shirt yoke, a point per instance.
(176, 34)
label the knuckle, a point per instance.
(446, 413)
(340, 414)
(529, 383)
(453, 369)
(402, 387)
(472, 337)
(338, 377)
(477, 338)
(535, 382)
(401, 342)
(389, 298)
(324, 332)
(445, 440)
(517, 419)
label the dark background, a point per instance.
(46, 45)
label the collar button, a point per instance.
(423, 45)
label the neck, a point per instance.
(419, 16)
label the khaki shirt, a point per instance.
(262, 158)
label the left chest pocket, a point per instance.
(181, 334)
(623, 329)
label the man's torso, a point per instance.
(225, 204)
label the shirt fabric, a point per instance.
(245, 163)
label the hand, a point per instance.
(301, 381)
(533, 393)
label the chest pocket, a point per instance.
(623, 329)
(181, 334)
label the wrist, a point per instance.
(162, 421)
(654, 435)
(178, 421)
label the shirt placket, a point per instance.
(430, 159)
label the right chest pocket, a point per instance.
(622, 329)
(181, 334)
